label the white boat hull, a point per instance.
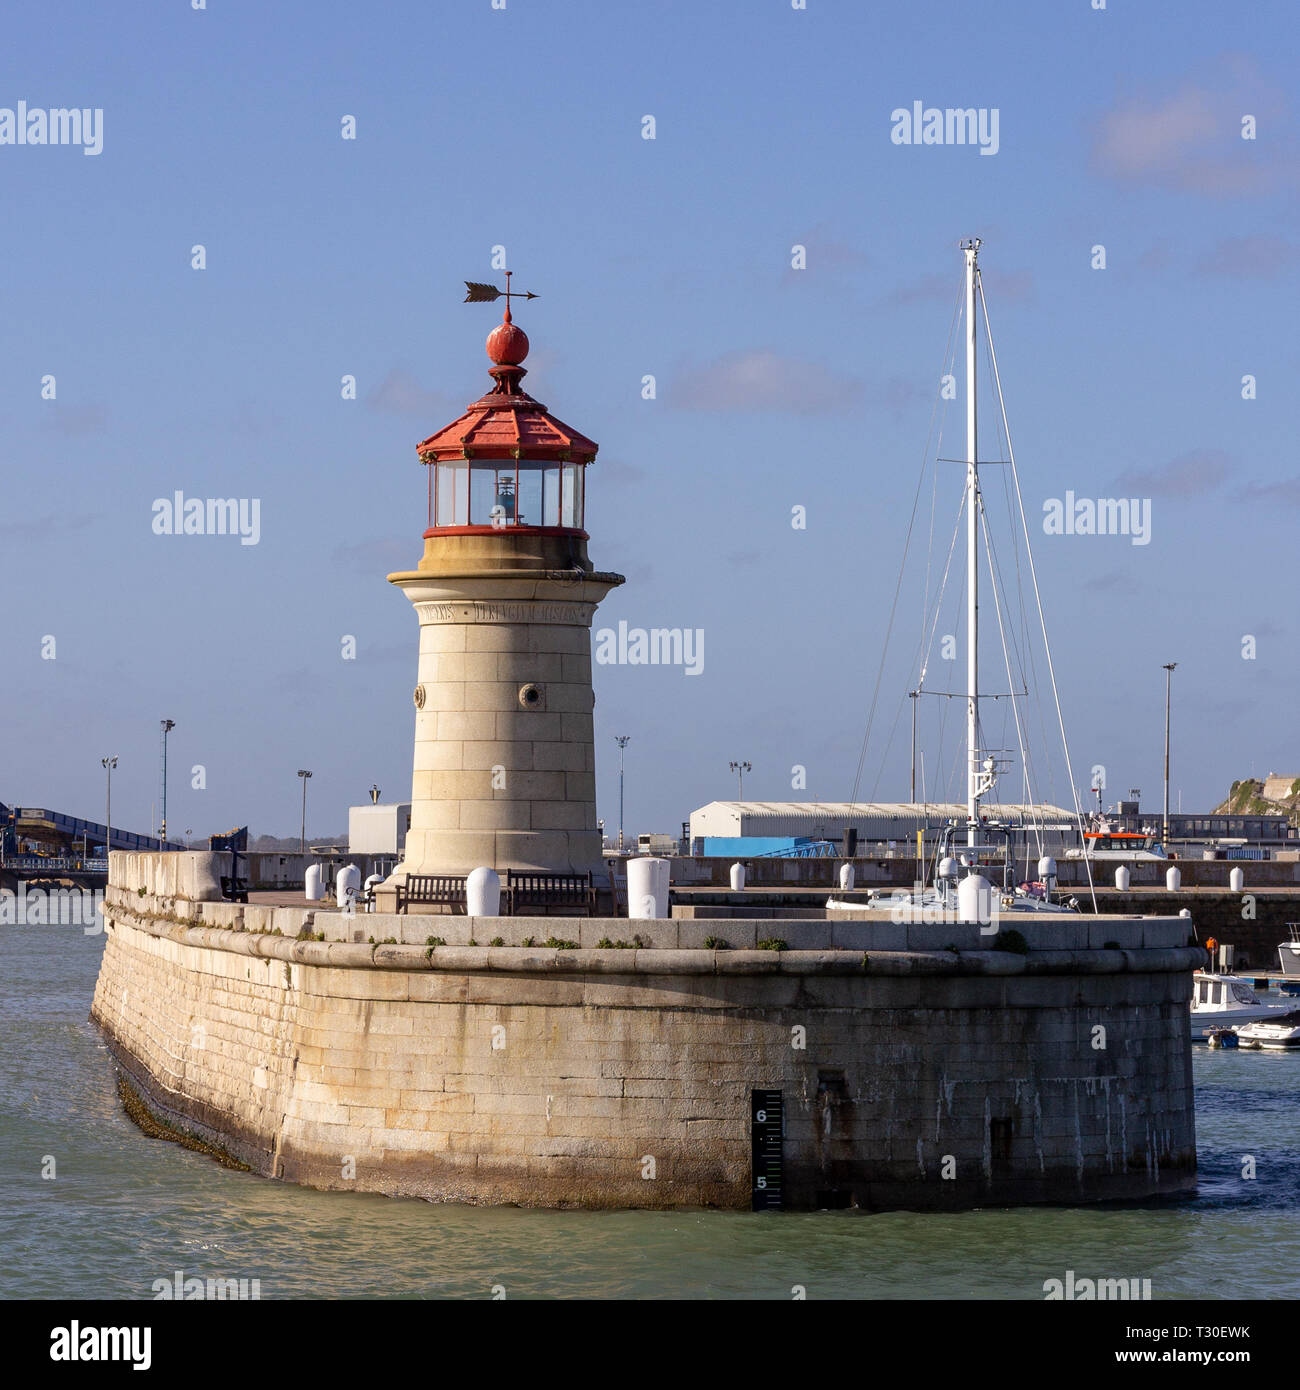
(1275, 1035)
(1205, 1019)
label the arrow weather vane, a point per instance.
(484, 294)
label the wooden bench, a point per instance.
(547, 894)
(435, 890)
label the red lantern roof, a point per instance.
(507, 422)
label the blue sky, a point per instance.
(522, 127)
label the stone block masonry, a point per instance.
(622, 1078)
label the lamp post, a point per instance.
(167, 726)
(740, 769)
(622, 740)
(302, 843)
(1169, 669)
(108, 764)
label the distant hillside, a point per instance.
(288, 844)
(1274, 796)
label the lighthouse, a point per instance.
(504, 767)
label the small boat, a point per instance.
(1273, 1033)
(1222, 1037)
(1225, 1001)
(1125, 846)
(1288, 953)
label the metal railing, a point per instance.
(37, 863)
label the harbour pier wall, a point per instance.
(917, 1068)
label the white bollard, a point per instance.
(846, 877)
(664, 879)
(483, 893)
(347, 885)
(312, 884)
(737, 877)
(647, 888)
(368, 890)
(1122, 878)
(1174, 879)
(975, 899)
(1237, 880)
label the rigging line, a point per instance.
(1024, 660)
(889, 743)
(1010, 648)
(1042, 621)
(1023, 648)
(1006, 657)
(995, 573)
(943, 587)
(893, 608)
(949, 354)
(1025, 653)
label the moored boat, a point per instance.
(1288, 953)
(1272, 1033)
(1225, 1001)
(1100, 841)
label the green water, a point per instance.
(124, 1211)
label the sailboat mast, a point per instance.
(971, 248)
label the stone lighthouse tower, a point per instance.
(504, 773)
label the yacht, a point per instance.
(992, 858)
(1224, 1001)
(974, 863)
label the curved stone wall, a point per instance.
(623, 1078)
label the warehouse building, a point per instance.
(768, 827)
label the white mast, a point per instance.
(973, 786)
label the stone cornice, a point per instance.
(640, 961)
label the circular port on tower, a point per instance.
(530, 696)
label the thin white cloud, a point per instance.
(1253, 257)
(1189, 475)
(764, 380)
(1191, 140)
(400, 393)
(77, 421)
(1285, 492)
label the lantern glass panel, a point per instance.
(551, 495)
(528, 509)
(489, 484)
(571, 497)
(452, 494)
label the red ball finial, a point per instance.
(507, 345)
